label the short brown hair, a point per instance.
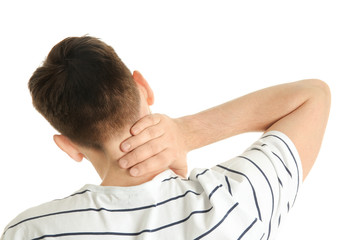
(85, 91)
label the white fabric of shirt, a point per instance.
(246, 197)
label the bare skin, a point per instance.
(106, 162)
(156, 142)
(299, 109)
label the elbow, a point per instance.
(323, 86)
(320, 90)
(324, 91)
(321, 99)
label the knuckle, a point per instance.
(144, 167)
(152, 148)
(163, 159)
(133, 157)
(134, 142)
(138, 140)
(156, 163)
(151, 133)
(152, 119)
(156, 118)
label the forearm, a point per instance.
(253, 112)
(300, 110)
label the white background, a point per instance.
(195, 54)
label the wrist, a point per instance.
(194, 132)
(186, 128)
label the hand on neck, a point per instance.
(106, 164)
(105, 161)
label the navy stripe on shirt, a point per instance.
(297, 167)
(228, 184)
(199, 174)
(216, 188)
(262, 236)
(271, 190)
(280, 182)
(287, 170)
(248, 228)
(114, 210)
(77, 193)
(218, 224)
(105, 209)
(252, 187)
(168, 179)
(123, 233)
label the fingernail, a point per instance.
(123, 163)
(125, 147)
(134, 131)
(134, 172)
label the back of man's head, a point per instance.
(85, 91)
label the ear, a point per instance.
(68, 147)
(144, 87)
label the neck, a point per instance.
(106, 164)
(115, 176)
(106, 161)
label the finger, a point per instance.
(144, 123)
(153, 164)
(141, 153)
(145, 136)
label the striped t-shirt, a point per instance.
(246, 197)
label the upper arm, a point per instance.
(305, 126)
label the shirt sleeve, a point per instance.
(19, 234)
(271, 168)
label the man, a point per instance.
(86, 92)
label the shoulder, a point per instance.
(272, 155)
(18, 227)
(264, 179)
